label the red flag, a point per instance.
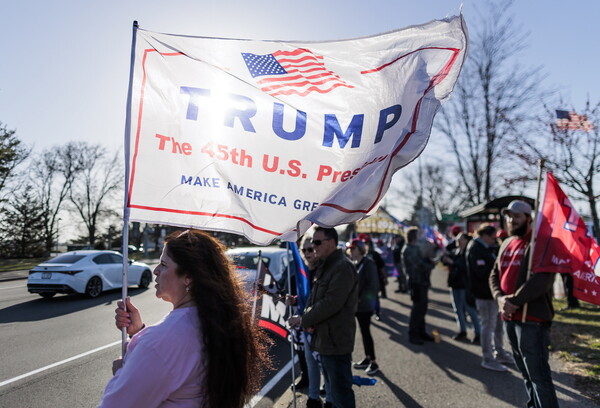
(564, 245)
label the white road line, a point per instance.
(12, 287)
(264, 391)
(268, 386)
(39, 370)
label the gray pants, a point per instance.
(492, 332)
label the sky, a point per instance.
(65, 67)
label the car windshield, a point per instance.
(66, 259)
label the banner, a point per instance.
(564, 245)
(381, 222)
(264, 138)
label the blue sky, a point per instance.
(65, 64)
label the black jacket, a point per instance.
(480, 261)
(416, 267)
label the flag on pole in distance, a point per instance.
(564, 245)
(301, 276)
(568, 120)
(265, 138)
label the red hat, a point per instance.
(364, 237)
(357, 243)
(455, 230)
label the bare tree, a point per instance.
(492, 98)
(54, 171)
(571, 153)
(12, 153)
(99, 178)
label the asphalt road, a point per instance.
(64, 347)
(445, 374)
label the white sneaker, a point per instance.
(493, 365)
(505, 358)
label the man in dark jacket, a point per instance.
(418, 270)
(480, 261)
(525, 301)
(329, 315)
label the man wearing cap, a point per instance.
(329, 315)
(528, 329)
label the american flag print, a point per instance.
(298, 72)
(566, 120)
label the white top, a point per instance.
(163, 367)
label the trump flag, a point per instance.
(265, 138)
(564, 245)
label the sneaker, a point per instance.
(493, 365)
(476, 340)
(362, 364)
(505, 357)
(314, 403)
(427, 337)
(372, 369)
(322, 392)
(460, 336)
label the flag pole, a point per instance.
(289, 283)
(256, 275)
(533, 230)
(125, 243)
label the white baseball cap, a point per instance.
(517, 206)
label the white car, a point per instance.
(275, 259)
(89, 272)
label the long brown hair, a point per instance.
(236, 348)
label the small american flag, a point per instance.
(566, 120)
(297, 72)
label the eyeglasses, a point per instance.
(318, 242)
(308, 250)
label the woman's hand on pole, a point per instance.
(129, 319)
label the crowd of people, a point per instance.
(209, 352)
(489, 286)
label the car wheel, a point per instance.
(93, 287)
(47, 295)
(145, 279)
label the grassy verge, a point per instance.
(19, 264)
(576, 339)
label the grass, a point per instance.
(19, 264)
(576, 339)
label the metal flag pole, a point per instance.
(256, 275)
(533, 232)
(289, 283)
(126, 194)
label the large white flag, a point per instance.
(263, 138)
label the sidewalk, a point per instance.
(445, 374)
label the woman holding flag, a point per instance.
(207, 352)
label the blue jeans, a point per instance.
(314, 372)
(530, 341)
(461, 308)
(338, 371)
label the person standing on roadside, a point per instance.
(528, 329)
(418, 270)
(208, 351)
(368, 285)
(329, 315)
(481, 255)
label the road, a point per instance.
(43, 334)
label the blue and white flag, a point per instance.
(265, 138)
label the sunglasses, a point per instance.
(307, 250)
(318, 242)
